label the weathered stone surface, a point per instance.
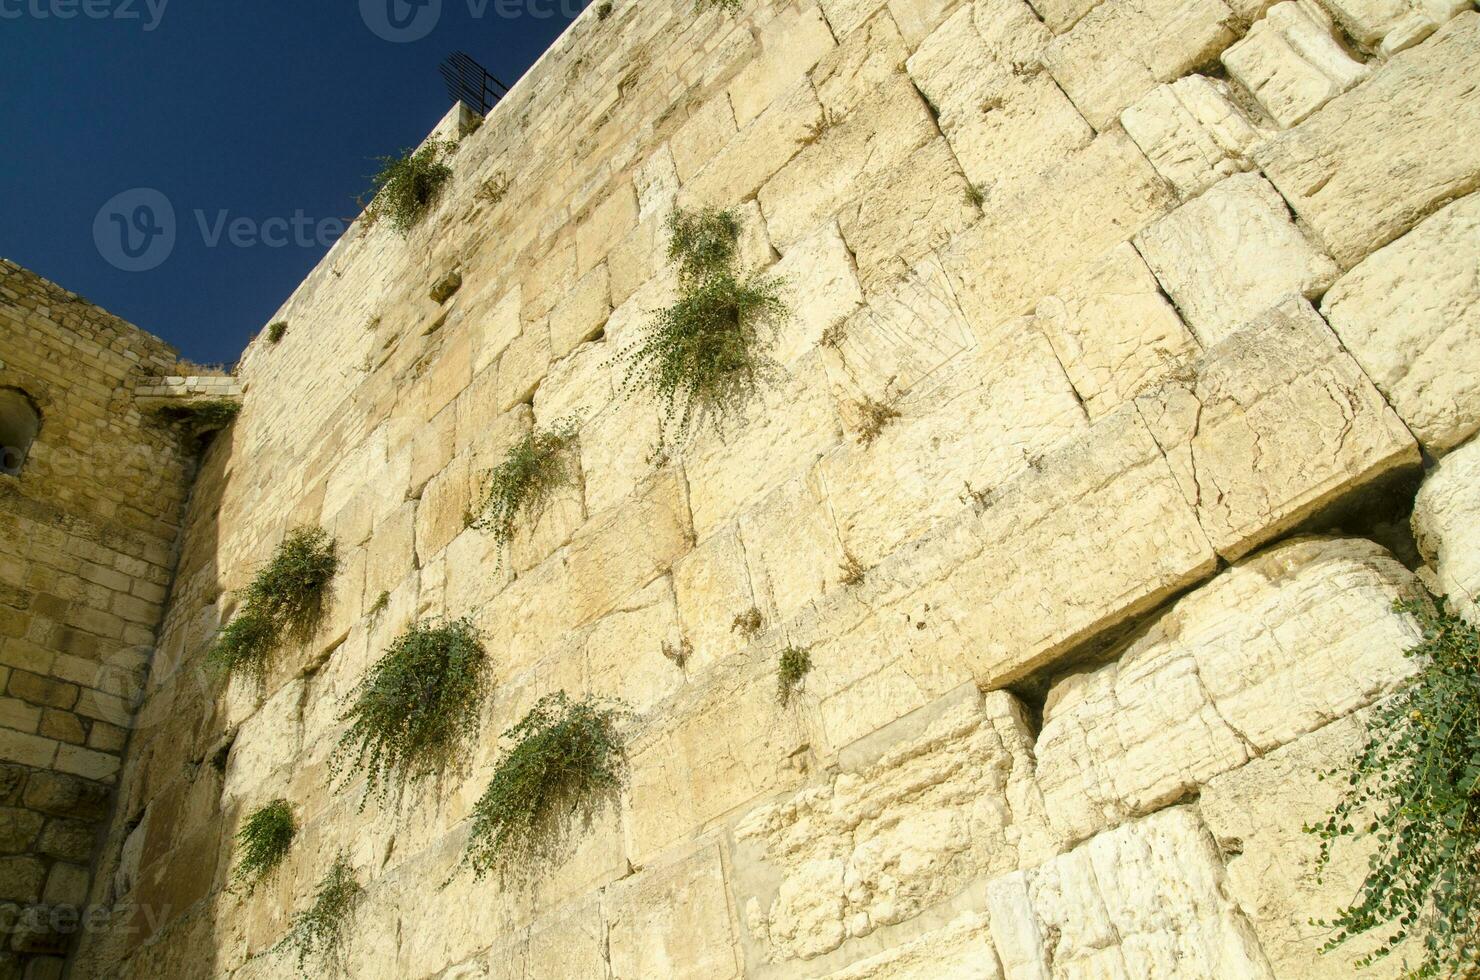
(1256, 814)
(1409, 313)
(1054, 535)
(701, 135)
(976, 421)
(961, 950)
(876, 846)
(1122, 49)
(1231, 254)
(789, 46)
(1035, 234)
(1292, 62)
(1113, 330)
(1445, 524)
(1279, 645)
(1380, 158)
(580, 315)
(672, 921)
(1193, 133)
(1147, 900)
(1001, 114)
(1274, 423)
(750, 157)
(822, 289)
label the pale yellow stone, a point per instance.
(1410, 315)
(1114, 331)
(789, 46)
(1444, 523)
(1281, 644)
(701, 136)
(745, 161)
(495, 329)
(1122, 49)
(523, 365)
(604, 227)
(792, 549)
(672, 921)
(821, 287)
(581, 314)
(1230, 254)
(712, 587)
(1193, 132)
(445, 504)
(1276, 422)
(1379, 158)
(1292, 61)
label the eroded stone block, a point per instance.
(1446, 522)
(1409, 313)
(1231, 254)
(1292, 62)
(1193, 133)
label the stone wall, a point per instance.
(86, 556)
(1130, 273)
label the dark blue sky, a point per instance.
(260, 109)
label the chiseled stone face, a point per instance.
(1444, 522)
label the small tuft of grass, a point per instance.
(415, 709)
(795, 663)
(678, 652)
(852, 570)
(564, 765)
(205, 415)
(975, 196)
(748, 623)
(873, 415)
(407, 184)
(320, 930)
(835, 334)
(604, 11)
(533, 470)
(705, 356)
(264, 839)
(725, 6)
(286, 599)
(493, 189)
(276, 330)
(381, 604)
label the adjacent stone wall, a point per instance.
(1128, 271)
(87, 539)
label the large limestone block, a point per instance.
(1114, 331)
(959, 950)
(1146, 900)
(701, 135)
(600, 230)
(580, 315)
(792, 548)
(1122, 49)
(821, 286)
(783, 430)
(1277, 646)
(982, 417)
(718, 746)
(853, 74)
(523, 365)
(624, 650)
(672, 921)
(1271, 425)
(1036, 233)
(1002, 115)
(1391, 26)
(712, 587)
(1410, 315)
(1088, 537)
(842, 159)
(749, 158)
(1230, 254)
(1193, 132)
(789, 46)
(1446, 522)
(495, 329)
(1292, 61)
(946, 802)
(264, 750)
(1379, 158)
(1256, 814)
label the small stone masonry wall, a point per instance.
(87, 539)
(1171, 297)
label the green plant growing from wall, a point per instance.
(564, 765)
(407, 184)
(286, 599)
(748, 623)
(203, 415)
(1413, 791)
(264, 839)
(415, 709)
(795, 663)
(276, 330)
(873, 416)
(532, 471)
(851, 571)
(705, 356)
(320, 930)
